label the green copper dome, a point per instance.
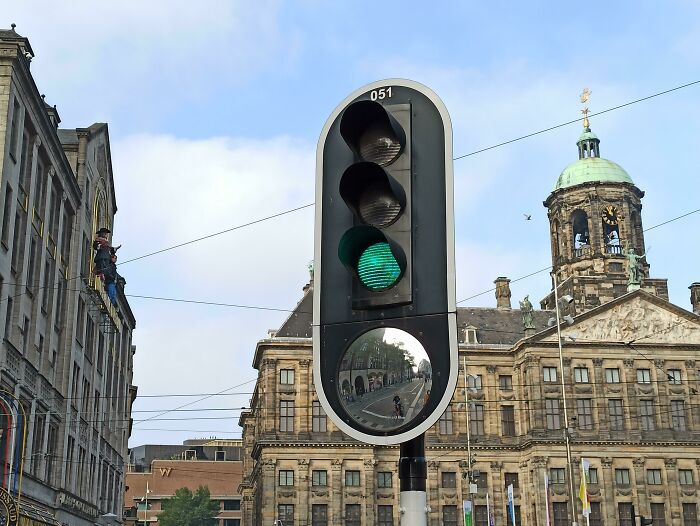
(592, 169)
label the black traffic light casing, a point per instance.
(384, 192)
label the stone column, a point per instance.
(336, 511)
(537, 473)
(630, 401)
(640, 486)
(269, 506)
(304, 398)
(607, 497)
(433, 496)
(302, 505)
(497, 492)
(370, 490)
(599, 395)
(674, 506)
(531, 388)
(663, 406)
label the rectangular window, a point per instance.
(617, 414)
(318, 418)
(658, 513)
(25, 336)
(286, 415)
(690, 514)
(592, 475)
(549, 374)
(353, 515)
(511, 479)
(285, 513)
(654, 477)
(557, 475)
(552, 412)
(220, 456)
(14, 129)
(445, 423)
(31, 264)
(505, 382)
(5, 237)
(319, 477)
(612, 376)
(625, 514)
(352, 478)
(622, 476)
(596, 516)
(678, 415)
(674, 376)
(449, 515)
(508, 420)
(232, 505)
(80, 330)
(646, 414)
(286, 477)
(560, 513)
(474, 382)
(319, 515)
(581, 375)
(476, 419)
(8, 319)
(385, 516)
(47, 285)
(584, 410)
(384, 479)
(481, 516)
(643, 376)
(685, 477)
(287, 376)
(448, 479)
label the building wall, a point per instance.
(66, 353)
(165, 477)
(533, 450)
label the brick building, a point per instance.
(631, 375)
(66, 352)
(166, 468)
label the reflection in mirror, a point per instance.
(384, 379)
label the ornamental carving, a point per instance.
(433, 465)
(540, 461)
(638, 462)
(690, 364)
(607, 462)
(655, 493)
(491, 369)
(370, 462)
(645, 389)
(449, 496)
(623, 492)
(659, 363)
(305, 363)
(464, 464)
(303, 461)
(598, 362)
(593, 491)
(633, 320)
(567, 362)
(689, 492)
(558, 489)
(583, 388)
(385, 496)
(628, 362)
(353, 494)
(318, 493)
(496, 466)
(507, 396)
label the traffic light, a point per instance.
(385, 337)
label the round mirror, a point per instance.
(384, 379)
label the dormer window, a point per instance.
(470, 335)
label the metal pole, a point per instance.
(413, 472)
(572, 496)
(469, 440)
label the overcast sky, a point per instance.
(214, 110)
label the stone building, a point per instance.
(631, 376)
(66, 350)
(159, 470)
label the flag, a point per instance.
(583, 489)
(489, 512)
(467, 504)
(511, 504)
(546, 498)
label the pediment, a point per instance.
(638, 318)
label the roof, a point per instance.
(592, 169)
(493, 326)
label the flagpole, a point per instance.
(145, 512)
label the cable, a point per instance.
(577, 120)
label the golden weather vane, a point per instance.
(585, 94)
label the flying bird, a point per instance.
(528, 217)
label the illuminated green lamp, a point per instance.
(377, 267)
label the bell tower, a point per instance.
(595, 223)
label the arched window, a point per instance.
(581, 237)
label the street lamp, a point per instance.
(569, 320)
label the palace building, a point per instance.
(66, 359)
(631, 376)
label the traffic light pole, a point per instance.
(413, 472)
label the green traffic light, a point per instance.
(377, 267)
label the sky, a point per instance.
(215, 108)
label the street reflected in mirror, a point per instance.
(384, 379)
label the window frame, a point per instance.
(654, 477)
(683, 477)
(612, 375)
(385, 479)
(448, 479)
(284, 377)
(557, 475)
(317, 475)
(351, 477)
(643, 376)
(283, 477)
(547, 372)
(581, 375)
(622, 477)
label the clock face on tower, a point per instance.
(610, 215)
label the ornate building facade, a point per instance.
(631, 376)
(66, 353)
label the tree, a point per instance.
(190, 509)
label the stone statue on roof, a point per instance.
(526, 310)
(635, 269)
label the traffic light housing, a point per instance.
(385, 350)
